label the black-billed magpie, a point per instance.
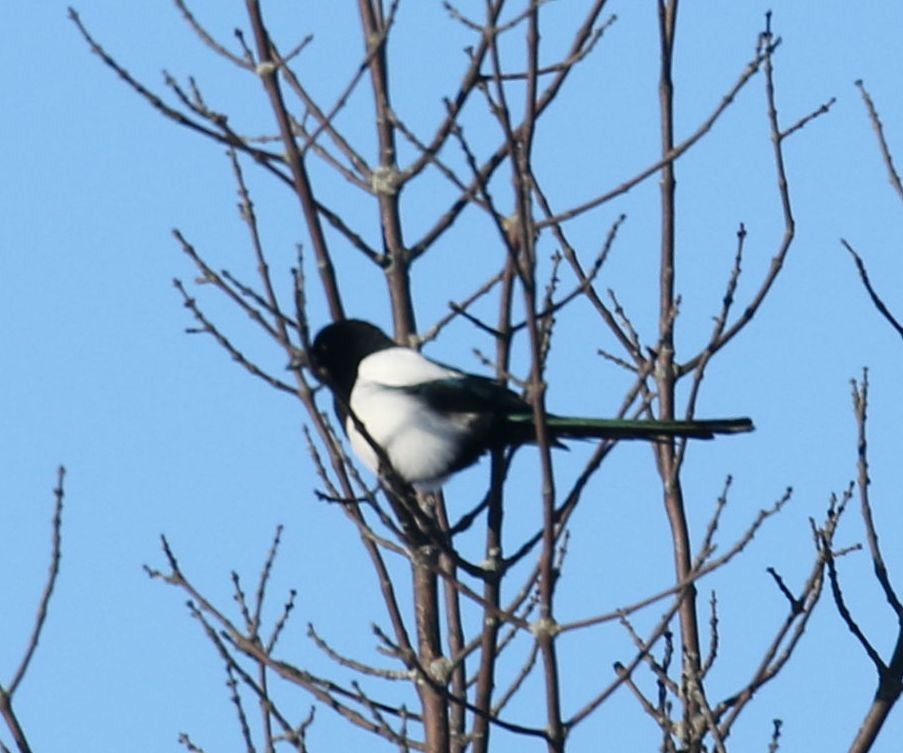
(431, 420)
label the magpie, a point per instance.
(432, 420)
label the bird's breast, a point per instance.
(422, 445)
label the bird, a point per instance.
(430, 420)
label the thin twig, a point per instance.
(886, 155)
(876, 299)
(56, 550)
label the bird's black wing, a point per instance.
(480, 407)
(468, 393)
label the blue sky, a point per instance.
(162, 434)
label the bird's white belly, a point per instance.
(419, 443)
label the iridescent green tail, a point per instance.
(564, 427)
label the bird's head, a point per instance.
(339, 348)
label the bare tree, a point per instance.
(471, 629)
(889, 671)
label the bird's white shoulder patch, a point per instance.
(419, 442)
(400, 367)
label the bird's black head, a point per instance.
(339, 348)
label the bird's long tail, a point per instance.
(567, 427)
